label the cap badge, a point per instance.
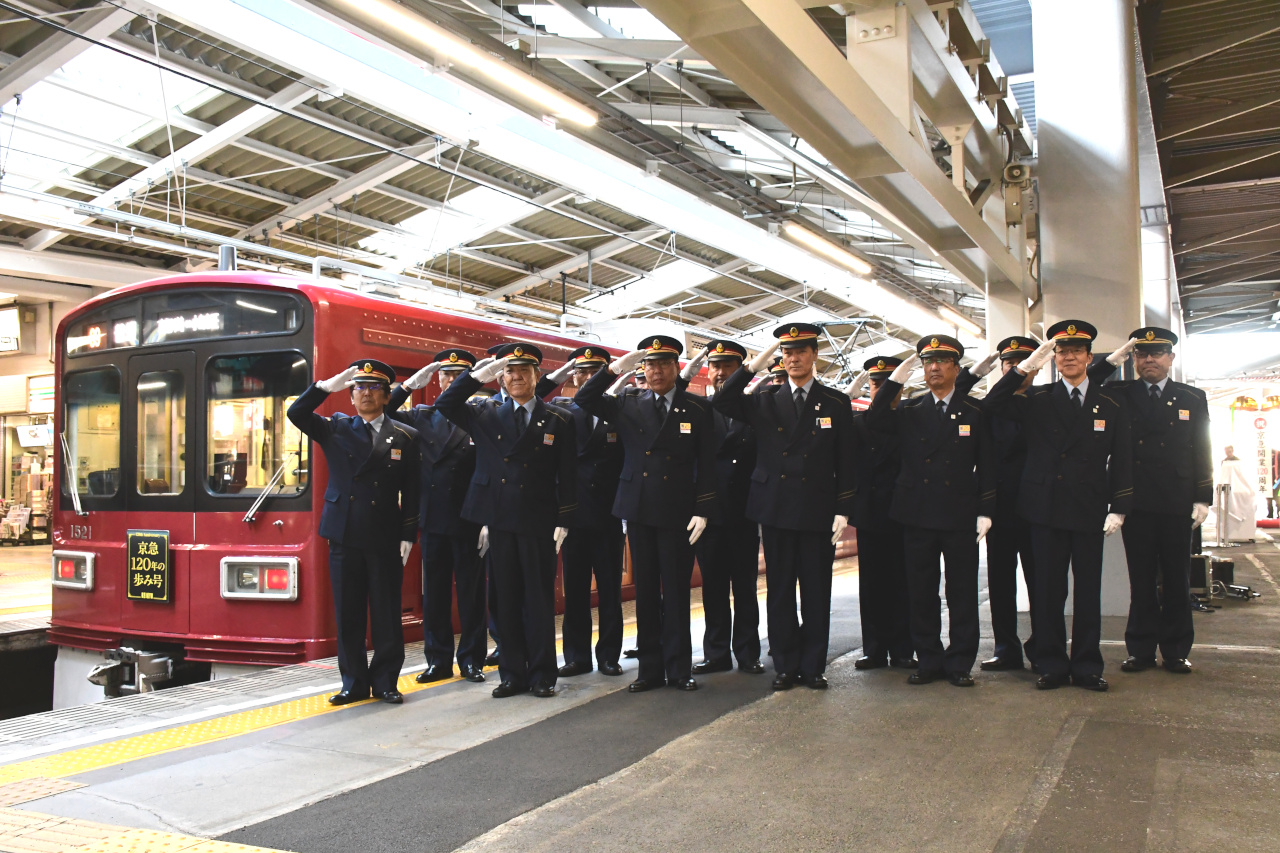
(453, 356)
(1151, 336)
(518, 351)
(880, 364)
(934, 343)
(720, 347)
(368, 368)
(794, 332)
(1071, 329)
(657, 344)
(587, 354)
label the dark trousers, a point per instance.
(958, 551)
(1056, 550)
(1158, 548)
(662, 565)
(366, 594)
(525, 570)
(798, 647)
(1009, 539)
(492, 599)
(883, 600)
(729, 559)
(588, 551)
(446, 561)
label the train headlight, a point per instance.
(73, 570)
(260, 578)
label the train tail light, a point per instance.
(260, 578)
(73, 570)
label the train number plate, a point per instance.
(148, 569)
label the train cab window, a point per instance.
(250, 441)
(91, 421)
(162, 433)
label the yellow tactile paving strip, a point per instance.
(31, 832)
(33, 789)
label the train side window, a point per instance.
(249, 438)
(162, 433)
(91, 421)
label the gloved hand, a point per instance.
(337, 383)
(695, 364)
(490, 371)
(561, 373)
(1199, 512)
(483, 545)
(482, 363)
(984, 525)
(697, 524)
(983, 367)
(837, 527)
(1113, 523)
(422, 378)
(405, 548)
(762, 361)
(1118, 357)
(1037, 359)
(854, 389)
(754, 384)
(560, 535)
(616, 388)
(903, 371)
(625, 365)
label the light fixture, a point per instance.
(445, 44)
(955, 318)
(827, 249)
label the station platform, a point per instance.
(26, 596)
(1161, 762)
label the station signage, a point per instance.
(10, 330)
(148, 567)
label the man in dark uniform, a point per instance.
(1077, 486)
(1172, 490)
(729, 551)
(595, 540)
(370, 519)
(945, 494)
(801, 494)
(449, 542)
(665, 492)
(523, 491)
(777, 372)
(883, 601)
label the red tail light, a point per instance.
(276, 578)
(67, 569)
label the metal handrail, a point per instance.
(252, 514)
(71, 472)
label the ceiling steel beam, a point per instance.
(1183, 58)
(1225, 164)
(551, 273)
(58, 48)
(1220, 115)
(1226, 236)
(1244, 259)
(1242, 278)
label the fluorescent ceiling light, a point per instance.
(827, 249)
(957, 319)
(445, 44)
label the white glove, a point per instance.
(482, 363)
(983, 367)
(422, 378)
(560, 535)
(1037, 359)
(854, 389)
(490, 371)
(837, 527)
(695, 364)
(483, 545)
(616, 388)
(697, 524)
(984, 525)
(762, 361)
(1113, 523)
(337, 383)
(1118, 357)
(902, 371)
(561, 373)
(626, 364)
(758, 382)
(1199, 512)
(405, 548)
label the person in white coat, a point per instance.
(1242, 506)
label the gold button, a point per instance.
(646, 473)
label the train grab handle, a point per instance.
(73, 486)
(275, 480)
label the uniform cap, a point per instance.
(1016, 348)
(796, 334)
(372, 371)
(660, 346)
(584, 356)
(935, 345)
(880, 366)
(776, 369)
(1068, 331)
(520, 352)
(1154, 337)
(721, 350)
(455, 358)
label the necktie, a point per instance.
(1155, 393)
(522, 419)
(1076, 398)
(366, 430)
(942, 409)
(662, 408)
(799, 402)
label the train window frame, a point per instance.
(176, 404)
(87, 500)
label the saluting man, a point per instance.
(370, 519)
(804, 475)
(449, 542)
(1077, 487)
(523, 491)
(1172, 490)
(665, 492)
(944, 498)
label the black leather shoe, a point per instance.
(544, 691)
(491, 659)
(723, 664)
(752, 668)
(631, 653)
(1136, 664)
(960, 679)
(683, 684)
(814, 682)
(1052, 682)
(505, 689)
(391, 697)
(434, 673)
(783, 681)
(640, 685)
(609, 669)
(472, 673)
(904, 663)
(571, 669)
(346, 697)
(1000, 664)
(1090, 682)
(1181, 666)
(870, 663)
(923, 677)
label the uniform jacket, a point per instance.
(526, 484)
(1172, 465)
(599, 464)
(804, 474)
(735, 460)
(948, 473)
(876, 462)
(448, 461)
(1079, 459)
(373, 491)
(668, 468)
